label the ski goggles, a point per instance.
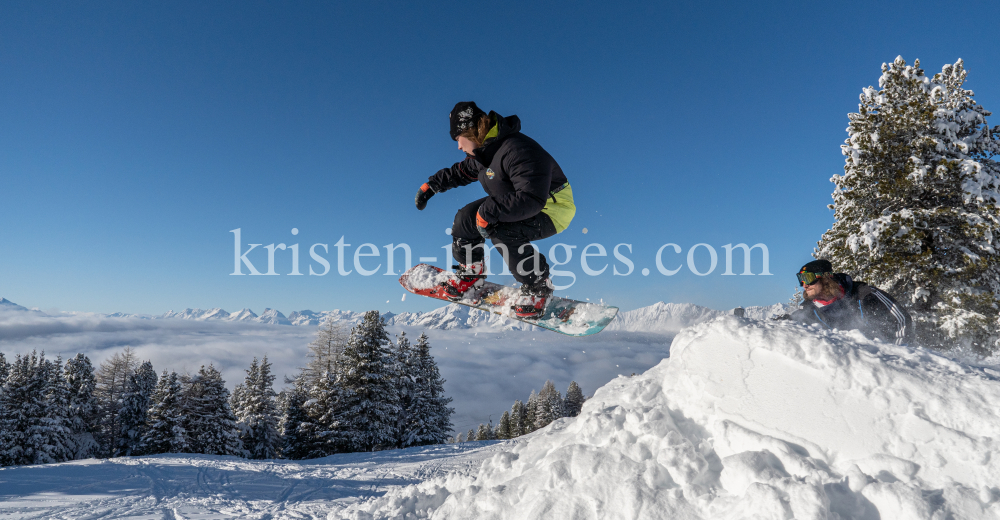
(809, 278)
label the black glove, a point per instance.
(423, 195)
(781, 317)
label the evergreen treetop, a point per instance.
(918, 205)
(256, 413)
(429, 416)
(574, 400)
(82, 406)
(503, 430)
(371, 401)
(165, 431)
(136, 401)
(4, 369)
(296, 428)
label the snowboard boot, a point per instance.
(533, 298)
(466, 277)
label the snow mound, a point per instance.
(750, 419)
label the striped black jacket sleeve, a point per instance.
(885, 318)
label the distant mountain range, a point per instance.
(659, 317)
(451, 316)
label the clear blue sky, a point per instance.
(135, 135)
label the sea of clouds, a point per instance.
(486, 368)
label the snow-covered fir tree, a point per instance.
(518, 416)
(371, 402)
(209, 420)
(112, 374)
(296, 428)
(136, 401)
(57, 442)
(256, 412)
(82, 406)
(530, 413)
(470, 436)
(574, 400)
(549, 406)
(485, 432)
(504, 430)
(20, 409)
(34, 413)
(404, 372)
(4, 371)
(165, 432)
(918, 206)
(329, 433)
(236, 398)
(429, 416)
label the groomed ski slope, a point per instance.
(749, 419)
(207, 487)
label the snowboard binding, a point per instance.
(531, 302)
(466, 277)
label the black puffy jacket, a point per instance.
(516, 172)
(863, 307)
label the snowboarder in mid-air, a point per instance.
(528, 199)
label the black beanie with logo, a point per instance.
(817, 267)
(464, 116)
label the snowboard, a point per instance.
(562, 315)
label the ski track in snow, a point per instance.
(211, 487)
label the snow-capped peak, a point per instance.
(455, 316)
(243, 315)
(273, 317)
(9, 305)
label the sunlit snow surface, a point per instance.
(213, 487)
(746, 419)
(751, 420)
